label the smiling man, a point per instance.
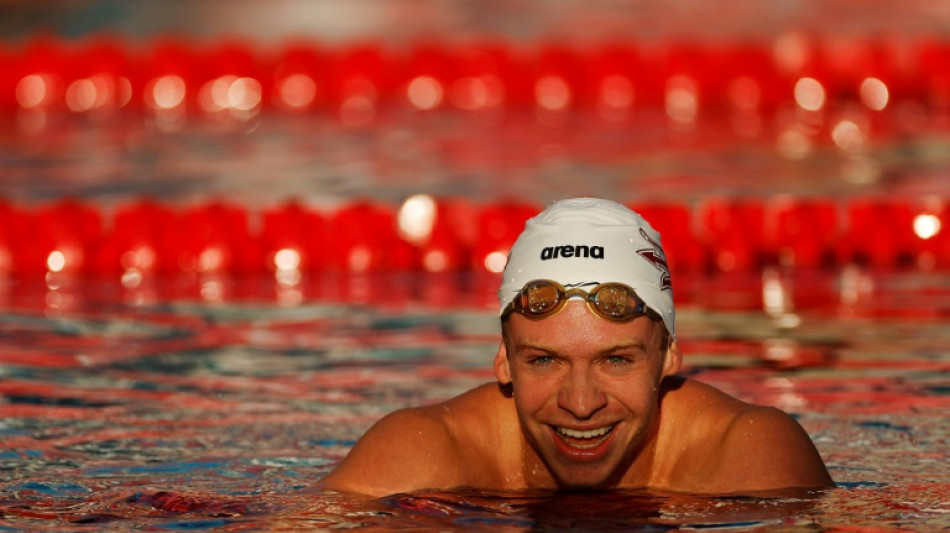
(587, 395)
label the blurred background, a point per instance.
(235, 233)
(336, 21)
(784, 116)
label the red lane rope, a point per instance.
(241, 78)
(451, 235)
(173, 76)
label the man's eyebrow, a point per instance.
(529, 346)
(637, 345)
(632, 345)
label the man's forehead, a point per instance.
(577, 323)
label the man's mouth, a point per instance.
(583, 439)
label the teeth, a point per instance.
(594, 433)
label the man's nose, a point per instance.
(581, 394)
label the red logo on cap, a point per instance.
(657, 258)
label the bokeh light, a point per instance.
(809, 94)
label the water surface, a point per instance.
(169, 411)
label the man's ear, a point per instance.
(502, 370)
(673, 359)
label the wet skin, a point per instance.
(584, 403)
(586, 393)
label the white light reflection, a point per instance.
(212, 290)
(791, 52)
(31, 91)
(776, 297)
(416, 217)
(357, 111)
(861, 170)
(472, 93)
(788, 399)
(682, 100)
(60, 294)
(848, 136)
(231, 93)
(139, 294)
(435, 261)
(287, 259)
(552, 93)
(794, 144)
(726, 260)
(856, 285)
(81, 95)
(54, 280)
(780, 350)
(244, 94)
(56, 261)
(132, 278)
(288, 278)
(287, 267)
(788, 321)
(296, 91)
(495, 262)
(926, 226)
(95, 92)
(359, 103)
(425, 93)
(874, 94)
(809, 94)
(140, 258)
(123, 91)
(213, 96)
(210, 259)
(55, 300)
(617, 95)
(360, 259)
(166, 92)
(360, 289)
(288, 295)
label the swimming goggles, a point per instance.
(613, 301)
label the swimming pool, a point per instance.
(208, 400)
(182, 413)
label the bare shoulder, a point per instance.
(740, 447)
(405, 450)
(764, 448)
(410, 449)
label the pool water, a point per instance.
(215, 402)
(171, 411)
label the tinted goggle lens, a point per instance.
(540, 298)
(613, 301)
(616, 301)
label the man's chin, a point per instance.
(583, 485)
(583, 479)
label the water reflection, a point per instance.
(210, 401)
(606, 511)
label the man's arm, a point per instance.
(765, 449)
(407, 450)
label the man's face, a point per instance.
(585, 389)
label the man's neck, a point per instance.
(535, 473)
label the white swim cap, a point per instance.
(585, 241)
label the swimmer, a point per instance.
(587, 394)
